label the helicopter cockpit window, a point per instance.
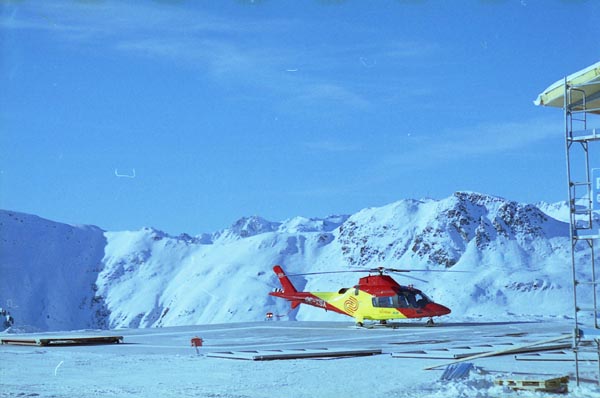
(412, 299)
(417, 299)
(386, 302)
(404, 299)
(422, 300)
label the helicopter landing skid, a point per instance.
(378, 325)
(390, 325)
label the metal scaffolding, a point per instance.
(579, 96)
(584, 232)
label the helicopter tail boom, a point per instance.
(295, 297)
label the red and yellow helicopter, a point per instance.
(376, 297)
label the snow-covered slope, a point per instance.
(60, 276)
(48, 272)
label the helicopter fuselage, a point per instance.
(375, 297)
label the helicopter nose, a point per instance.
(437, 309)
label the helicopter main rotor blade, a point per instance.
(380, 270)
(361, 271)
(325, 272)
(422, 270)
(415, 278)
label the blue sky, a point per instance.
(187, 115)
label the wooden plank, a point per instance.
(464, 351)
(17, 341)
(437, 354)
(524, 350)
(560, 356)
(502, 352)
(82, 340)
(269, 355)
(62, 341)
(422, 355)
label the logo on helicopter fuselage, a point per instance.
(351, 305)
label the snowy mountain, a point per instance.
(48, 272)
(57, 276)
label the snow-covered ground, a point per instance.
(159, 362)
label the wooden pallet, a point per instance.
(555, 385)
(62, 341)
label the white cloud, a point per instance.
(337, 93)
(481, 139)
(230, 50)
(332, 146)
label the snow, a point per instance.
(45, 267)
(514, 260)
(514, 256)
(160, 362)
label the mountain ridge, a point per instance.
(515, 253)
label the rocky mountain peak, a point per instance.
(437, 233)
(251, 226)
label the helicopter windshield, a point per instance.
(404, 299)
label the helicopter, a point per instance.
(376, 297)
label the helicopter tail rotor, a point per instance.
(287, 285)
